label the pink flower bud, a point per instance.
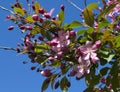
(53, 44)
(41, 10)
(98, 43)
(109, 87)
(35, 17)
(59, 54)
(46, 73)
(72, 33)
(57, 84)
(8, 17)
(29, 27)
(33, 68)
(103, 80)
(22, 27)
(72, 73)
(62, 7)
(51, 58)
(40, 38)
(10, 27)
(47, 15)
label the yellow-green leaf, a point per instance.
(89, 17)
(30, 19)
(92, 6)
(19, 11)
(37, 7)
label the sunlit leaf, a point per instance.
(75, 24)
(19, 11)
(110, 57)
(89, 17)
(117, 41)
(42, 46)
(36, 30)
(61, 16)
(92, 6)
(30, 19)
(58, 22)
(37, 7)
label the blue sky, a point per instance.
(16, 77)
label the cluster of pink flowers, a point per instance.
(59, 43)
(87, 54)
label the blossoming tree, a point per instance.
(61, 52)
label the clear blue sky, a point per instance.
(16, 77)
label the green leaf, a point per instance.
(103, 23)
(37, 7)
(45, 84)
(80, 32)
(89, 17)
(63, 84)
(42, 46)
(75, 24)
(104, 71)
(117, 41)
(37, 50)
(90, 89)
(115, 80)
(30, 19)
(48, 35)
(36, 30)
(110, 57)
(61, 16)
(64, 71)
(19, 11)
(92, 6)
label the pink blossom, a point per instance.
(81, 69)
(88, 51)
(49, 14)
(60, 42)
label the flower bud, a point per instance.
(47, 15)
(10, 27)
(46, 72)
(41, 10)
(8, 17)
(72, 73)
(98, 43)
(29, 27)
(57, 84)
(103, 80)
(51, 58)
(22, 27)
(33, 68)
(35, 17)
(62, 7)
(72, 33)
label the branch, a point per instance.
(7, 48)
(73, 4)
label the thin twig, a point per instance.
(73, 4)
(7, 48)
(7, 10)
